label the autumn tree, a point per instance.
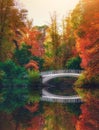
(66, 50)
(48, 60)
(11, 19)
(52, 45)
(68, 39)
(32, 37)
(30, 61)
(60, 45)
(88, 37)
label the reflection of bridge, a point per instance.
(47, 96)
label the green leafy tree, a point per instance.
(22, 55)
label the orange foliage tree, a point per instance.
(88, 37)
(32, 37)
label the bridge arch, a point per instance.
(48, 77)
(47, 96)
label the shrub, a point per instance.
(14, 91)
(34, 80)
(84, 84)
(18, 86)
(73, 63)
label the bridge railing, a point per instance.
(61, 71)
(61, 99)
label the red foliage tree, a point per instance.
(88, 37)
(32, 38)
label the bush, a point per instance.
(87, 83)
(84, 84)
(13, 75)
(81, 81)
(34, 80)
(74, 63)
(17, 86)
(14, 91)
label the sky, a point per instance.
(40, 10)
